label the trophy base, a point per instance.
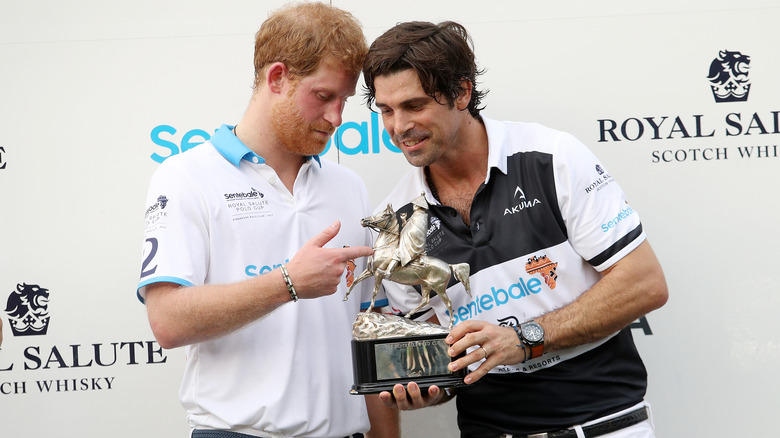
(380, 364)
(376, 388)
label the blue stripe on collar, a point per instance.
(231, 147)
(227, 144)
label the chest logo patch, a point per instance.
(545, 267)
(247, 204)
(520, 202)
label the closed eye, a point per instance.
(384, 110)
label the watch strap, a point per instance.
(537, 351)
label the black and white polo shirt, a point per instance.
(546, 221)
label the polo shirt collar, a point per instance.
(230, 147)
(497, 148)
(497, 145)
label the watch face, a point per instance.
(532, 332)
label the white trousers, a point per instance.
(644, 429)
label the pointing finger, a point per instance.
(325, 235)
(353, 252)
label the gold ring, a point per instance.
(483, 349)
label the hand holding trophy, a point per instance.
(388, 349)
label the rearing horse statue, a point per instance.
(430, 273)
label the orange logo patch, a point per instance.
(350, 272)
(546, 267)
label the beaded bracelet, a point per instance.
(288, 283)
(521, 344)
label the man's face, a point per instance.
(306, 119)
(424, 129)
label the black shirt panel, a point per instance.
(506, 208)
(600, 382)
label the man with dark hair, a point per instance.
(246, 242)
(559, 270)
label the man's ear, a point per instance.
(275, 77)
(462, 102)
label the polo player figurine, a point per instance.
(412, 237)
(399, 256)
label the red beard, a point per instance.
(296, 135)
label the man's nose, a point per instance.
(333, 113)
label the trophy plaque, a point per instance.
(390, 349)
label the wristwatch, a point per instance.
(532, 335)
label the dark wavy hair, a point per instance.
(441, 54)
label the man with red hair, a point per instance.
(246, 242)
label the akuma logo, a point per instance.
(521, 202)
(544, 266)
(28, 310)
(729, 77)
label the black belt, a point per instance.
(593, 430)
(216, 433)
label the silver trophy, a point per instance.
(388, 349)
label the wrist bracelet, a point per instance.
(521, 344)
(288, 283)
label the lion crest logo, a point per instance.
(28, 310)
(729, 77)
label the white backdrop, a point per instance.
(92, 92)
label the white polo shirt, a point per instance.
(217, 215)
